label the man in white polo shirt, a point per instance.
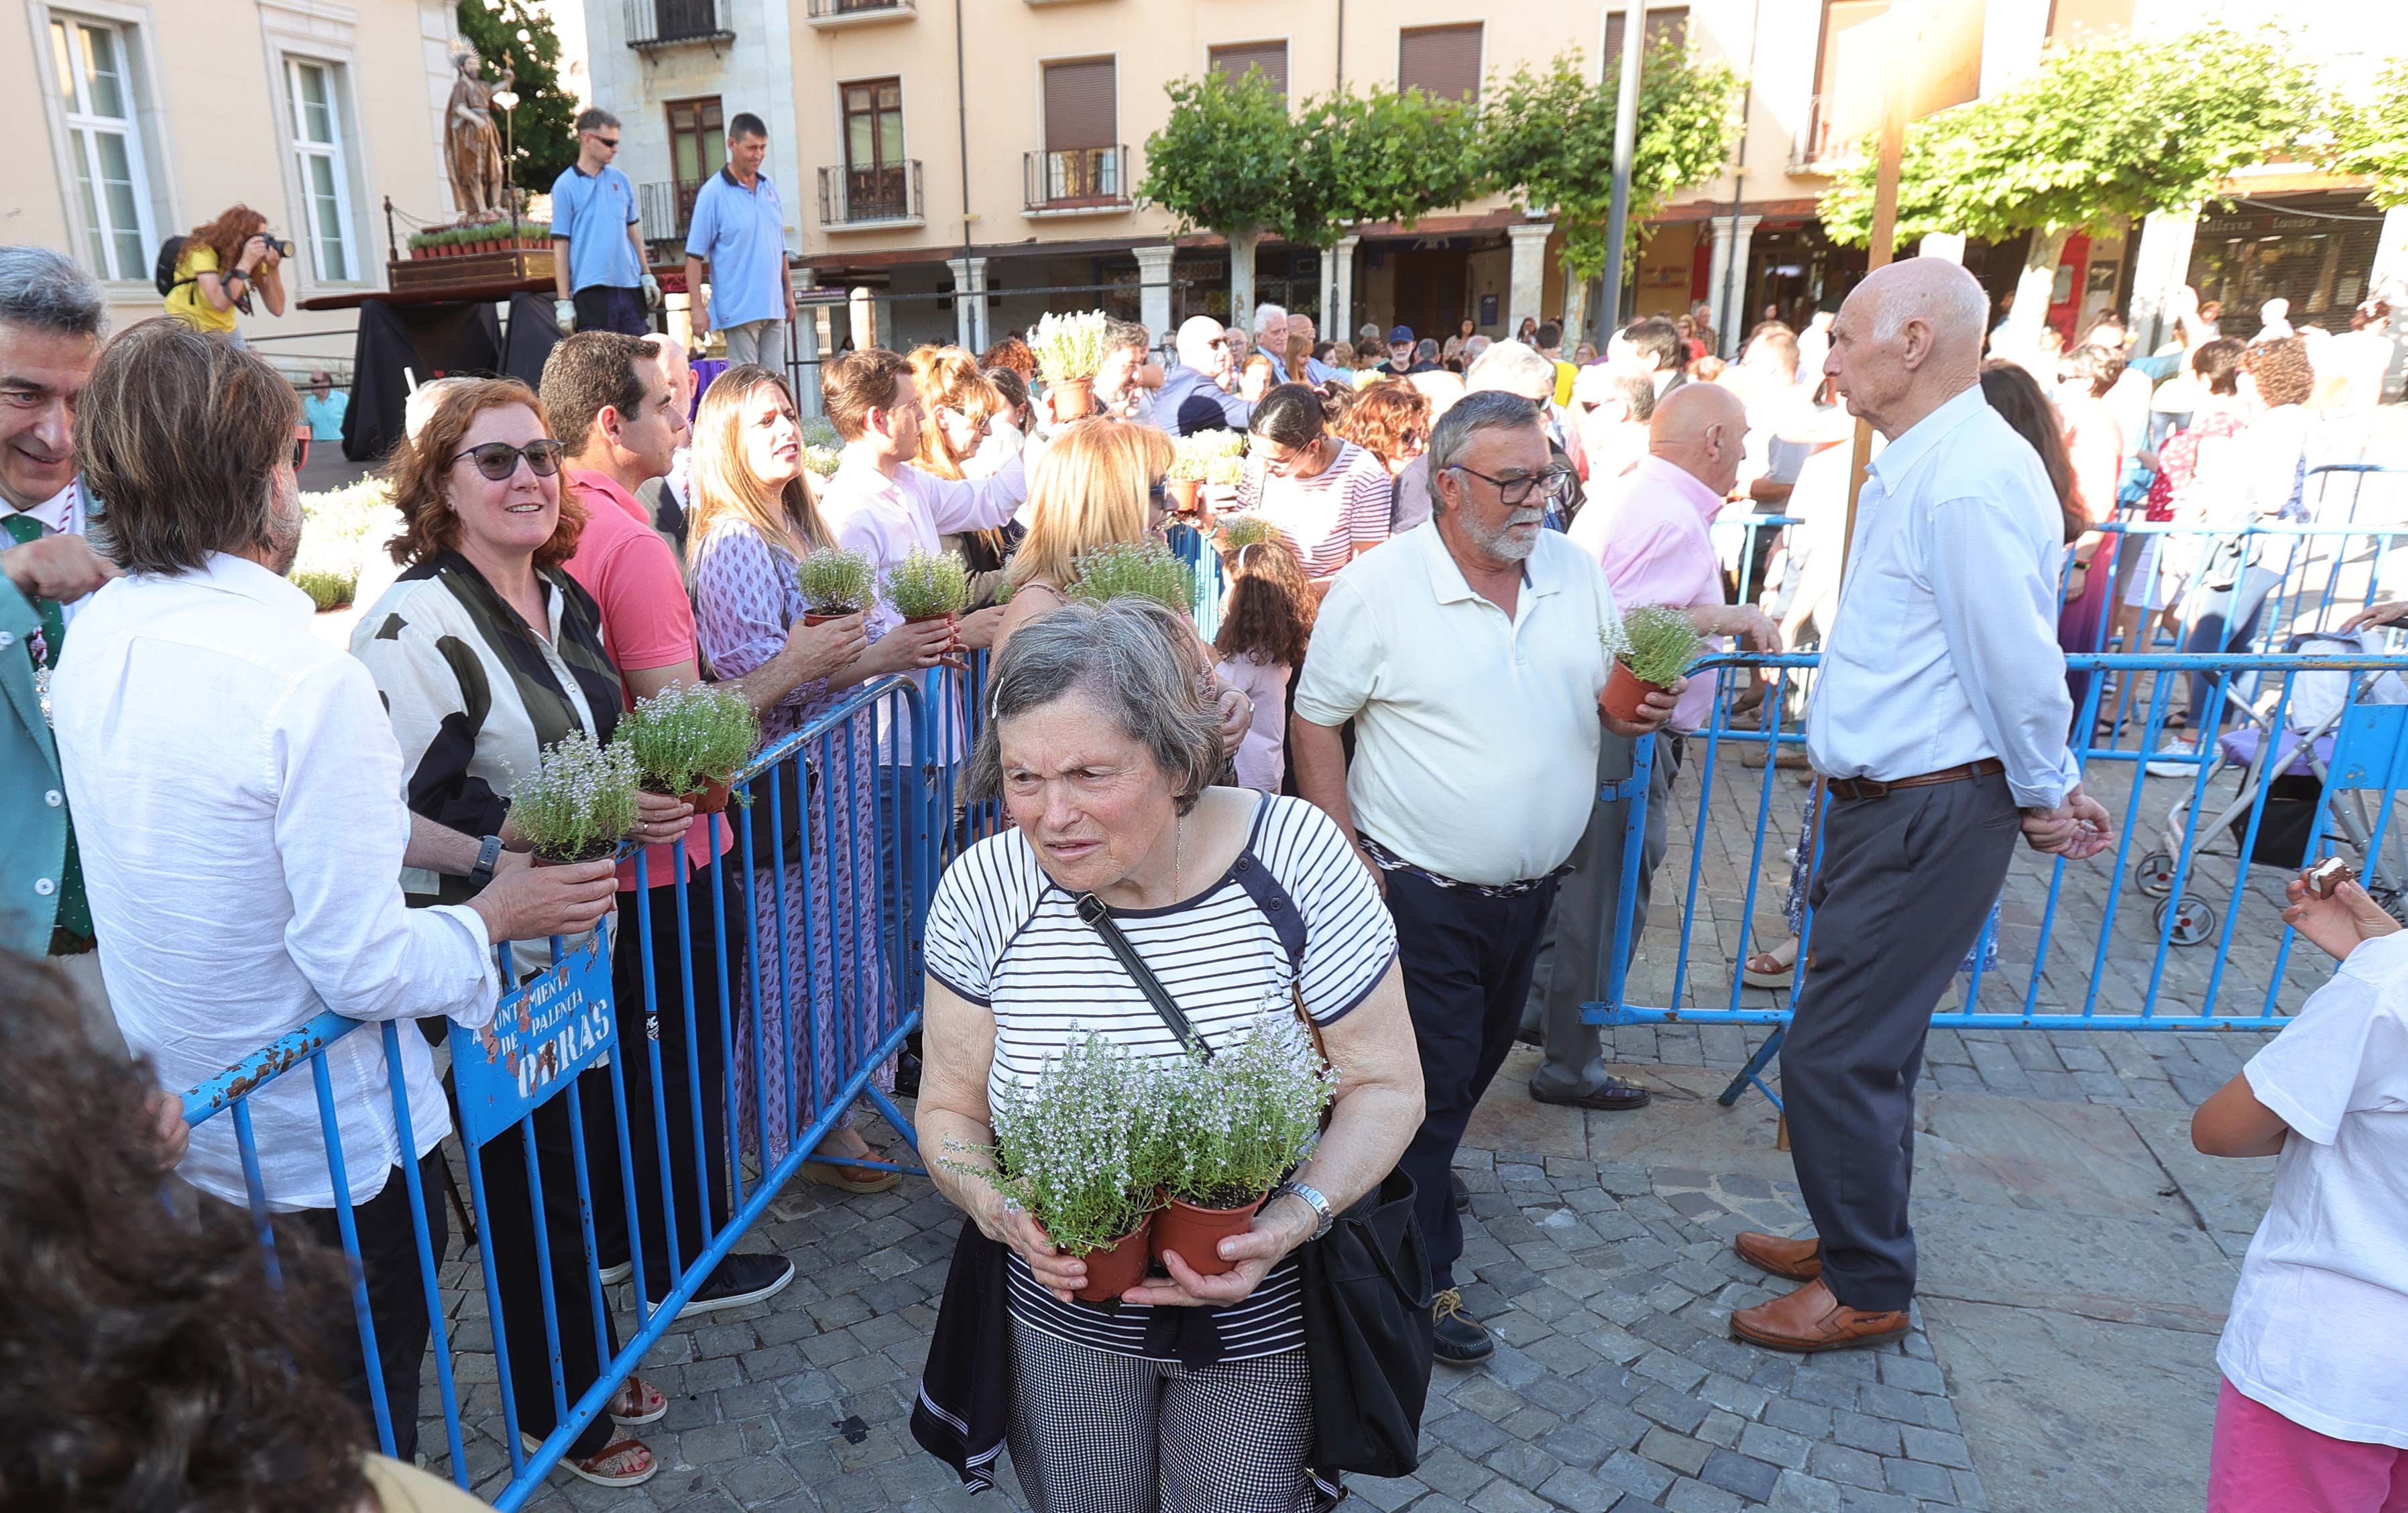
(1468, 656)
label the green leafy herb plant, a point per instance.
(690, 739)
(1068, 348)
(835, 580)
(1658, 642)
(1243, 1120)
(1141, 570)
(928, 586)
(1079, 1146)
(579, 802)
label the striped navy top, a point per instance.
(1296, 907)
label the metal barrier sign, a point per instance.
(545, 1032)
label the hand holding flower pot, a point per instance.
(1653, 647)
(1191, 465)
(1069, 350)
(1238, 1124)
(834, 583)
(928, 586)
(689, 740)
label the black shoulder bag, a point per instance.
(1365, 1285)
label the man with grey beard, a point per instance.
(1468, 657)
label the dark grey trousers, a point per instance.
(1578, 948)
(1902, 888)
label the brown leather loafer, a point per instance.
(1810, 1320)
(1800, 1260)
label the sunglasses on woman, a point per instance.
(498, 460)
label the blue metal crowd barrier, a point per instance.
(830, 1029)
(2350, 740)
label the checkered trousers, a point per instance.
(1093, 1432)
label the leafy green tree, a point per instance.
(1547, 140)
(2372, 139)
(513, 35)
(2121, 126)
(1225, 160)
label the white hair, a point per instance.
(1265, 314)
(1512, 367)
(1924, 289)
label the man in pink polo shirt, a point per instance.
(616, 412)
(1650, 533)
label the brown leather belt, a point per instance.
(1866, 788)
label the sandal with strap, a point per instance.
(622, 1463)
(1766, 970)
(639, 1402)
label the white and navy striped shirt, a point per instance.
(1295, 907)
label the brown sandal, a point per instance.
(641, 1465)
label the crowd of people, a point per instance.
(1390, 766)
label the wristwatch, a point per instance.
(488, 853)
(1312, 1198)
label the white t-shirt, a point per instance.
(1326, 517)
(2321, 1313)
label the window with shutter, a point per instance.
(1443, 60)
(1667, 28)
(1081, 105)
(1270, 57)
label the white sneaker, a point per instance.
(2177, 758)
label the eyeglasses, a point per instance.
(604, 141)
(1156, 493)
(498, 460)
(1558, 482)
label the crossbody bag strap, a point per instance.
(1096, 913)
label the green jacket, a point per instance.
(32, 799)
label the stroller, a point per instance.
(2295, 767)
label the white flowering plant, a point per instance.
(925, 584)
(1069, 348)
(690, 734)
(1226, 473)
(836, 580)
(1141, 569)
(1193, 456)
(1078, 1148)
(1243, 1120)
(821, 462)
(579, 802)
(1655, 642)
(1240, 531)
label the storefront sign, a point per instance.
(545, 1032)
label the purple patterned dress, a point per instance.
(825, 935)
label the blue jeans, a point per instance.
(2224, 620)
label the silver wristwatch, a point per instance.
(1311, 1196)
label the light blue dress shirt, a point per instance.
(1943, 649)
(594, 212)
(742, 233)
(325, 416)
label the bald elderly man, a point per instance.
(1650, 533)
(1939, 726)
(1195, 397)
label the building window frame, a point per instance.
(339, 156)
(94, 225)
(1103, 177)
(708, 122)
(1479, 63)
(1288, 45)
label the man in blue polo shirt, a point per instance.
(597, 244)
(739, 231)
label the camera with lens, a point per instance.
(283, 248)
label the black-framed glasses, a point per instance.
(1511, 492)
(605, 141)
(498, 460)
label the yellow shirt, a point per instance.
(1564, 375)
(186, 302)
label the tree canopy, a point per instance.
(511, 33)
(2123, 126)
(1547, 138)
(2373, 138)
(1226, 157)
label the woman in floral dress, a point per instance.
(815, 918)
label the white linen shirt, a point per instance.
(243, 849)
(1475, 735)
(1943, 649)
(2322, 1303)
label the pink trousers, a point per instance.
(2263, 1463)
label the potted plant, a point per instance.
(821, 462)
(578, 803)
(327, 590)
(1655, 645)
(834, 583)
(1185, 479)
(1221, 476)
(1069, 352)
(689, 740)
(1079, 1148)
(1236, 1125)
(1145, 569)
(1240, 531)
(928, 586)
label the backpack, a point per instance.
(163, 271)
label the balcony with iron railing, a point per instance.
(825, 14)
(664, 23)
(1076, 181)
(1814, 149)
(665, 210)
(882, 196)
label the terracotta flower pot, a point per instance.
(1183, 493)
(1118, 1267)
(813, 617)
(710, 798)
(1624, 689)
(1197, 1234)
(1071, 399)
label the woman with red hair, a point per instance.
(223, 263)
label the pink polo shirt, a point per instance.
(647, 621)
(1650, 534)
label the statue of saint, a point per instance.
(472, 144)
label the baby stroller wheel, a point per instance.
(2154, 874)
(2194, 918)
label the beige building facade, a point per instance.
(132, 121)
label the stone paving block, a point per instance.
(1678, 1451)
(1938, 1448)
(1969, 1492)
(1722, 1429)
(1919, 1480)
(1796, 1493)
(1689, 1496)
(1743, 1475)
(1862, 1432)
(1798, 1418)
(1634, 1473)
(1453, 1475)
(1842, 1464)
(1778, 1446)
(1890, 1402)
(1524, 1463)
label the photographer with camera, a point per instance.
(212, 273)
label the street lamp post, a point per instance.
(508, 101)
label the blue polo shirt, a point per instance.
(742, 233)
(593, 214)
